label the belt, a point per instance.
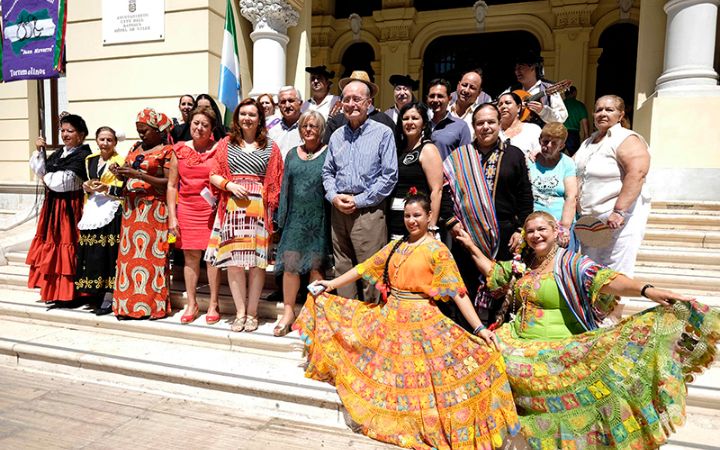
(407, 295)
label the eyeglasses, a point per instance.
(310, 126)
(355, 100)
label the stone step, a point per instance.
(673, 220)
(16, 258)
(706, 259)
(682, 238)
(268, 381)
(686, 206)
(698, 281)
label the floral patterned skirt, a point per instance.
(622, 387)
(407, 374)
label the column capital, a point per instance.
(672, 5)
(266, 15)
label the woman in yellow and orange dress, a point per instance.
(141, 282)
(406, 373)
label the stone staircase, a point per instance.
(263, 374)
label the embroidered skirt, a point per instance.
(97, 258)
(613, 388)
(407, 374)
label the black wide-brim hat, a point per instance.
(321, 70)
(404, 80)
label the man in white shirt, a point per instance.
(468, 96)
(403, 87)
(321, 100)
(286, 134)
(529, 73)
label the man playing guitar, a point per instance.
(529, 73)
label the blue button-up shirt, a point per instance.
(449, 134)
(361, 162)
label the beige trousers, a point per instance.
(355, 238)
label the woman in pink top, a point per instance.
(192, 208)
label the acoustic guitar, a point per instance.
(527, 97)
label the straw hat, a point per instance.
(360, 75)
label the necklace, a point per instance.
(406, 252)
(535, 275)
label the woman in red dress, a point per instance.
(141, 288)
(52, 256)
(192, 207)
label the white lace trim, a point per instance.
(99, 211)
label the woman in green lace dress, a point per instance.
(304, 244)
(580, 386)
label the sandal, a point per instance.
(251, 324)
(238, 324)
(189, 317)
(282, 330)
(211, 319)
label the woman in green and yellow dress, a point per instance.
(580, 386)
(407, 374)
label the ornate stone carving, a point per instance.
(625, 7)
(572, 16)
(277, 15)
(395, 33)
(320, 38)
(480, 9)
(355, 25)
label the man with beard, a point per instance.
(403, 93)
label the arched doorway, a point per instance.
(617, 63)
(450, 56)
(358, 56)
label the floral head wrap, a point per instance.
(154, 119)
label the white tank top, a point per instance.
(599, 173)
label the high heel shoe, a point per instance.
(211, 319)
(189, 317)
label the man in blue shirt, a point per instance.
(360, 171)
(448, 132)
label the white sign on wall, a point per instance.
(133, 21)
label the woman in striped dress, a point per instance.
(248, 173)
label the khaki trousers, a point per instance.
(356, 237)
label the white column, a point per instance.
(270, 19)
(689, 46)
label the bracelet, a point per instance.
(223, 185)
(477, 330)
(645, 288)
(619, 212)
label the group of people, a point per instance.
(454, 199)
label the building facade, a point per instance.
(661, 56)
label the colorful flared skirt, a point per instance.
(52, 255)
(141, 283)
(407, 374)
(613, 388)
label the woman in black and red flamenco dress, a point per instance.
(52, 256)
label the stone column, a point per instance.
(396, 27)
(689, 46)
(270, 19)
(572, 35)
